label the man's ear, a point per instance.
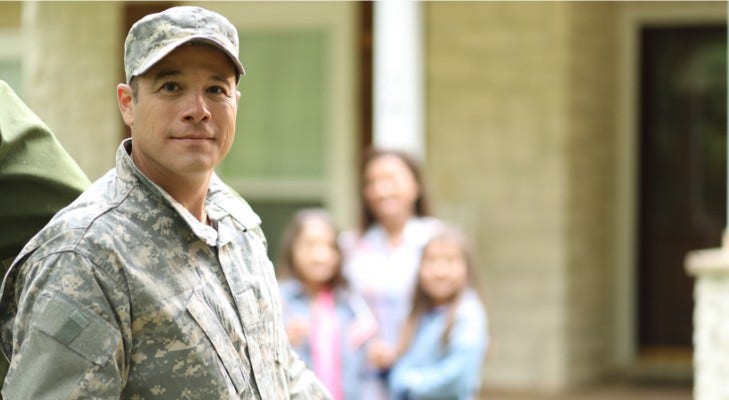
(125, 100)
(237, 96)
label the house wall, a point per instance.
(519, 137)
(10, 14)
(10, 46)
(73, 92)
(590, 205)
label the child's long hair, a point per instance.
(422, 302)
(286, 267)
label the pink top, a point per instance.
(325, 343)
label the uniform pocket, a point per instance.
(215, 333)
(183, 350)
(262, 336)
(250, 308)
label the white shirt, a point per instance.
(385, 275)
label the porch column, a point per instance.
(398, 76)
(711, 325)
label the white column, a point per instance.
(398, 76)
(711, 327)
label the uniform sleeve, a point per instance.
(453, 376)
(66, 341)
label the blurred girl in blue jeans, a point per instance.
(445, 337)
(327, 324)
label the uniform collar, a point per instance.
(220, 202)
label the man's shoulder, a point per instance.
(90, 215)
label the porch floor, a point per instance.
(608, 391)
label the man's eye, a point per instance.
(170, 86)
(216, 90)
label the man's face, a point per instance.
(183, 119)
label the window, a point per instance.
(297, 133)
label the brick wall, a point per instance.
(590, 203)
(10, 14)
(519, 139)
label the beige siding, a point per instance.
(519, 141)
(590, 202)
(10, 14)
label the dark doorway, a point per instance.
(682, 176)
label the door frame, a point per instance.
(633, 16)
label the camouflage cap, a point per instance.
(156, 35)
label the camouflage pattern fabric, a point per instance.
(126, 295)
(153, 37)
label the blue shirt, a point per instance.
(354, 318)
(429, 371)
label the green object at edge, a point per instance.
(37, 178)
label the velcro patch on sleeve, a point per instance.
(85, 333)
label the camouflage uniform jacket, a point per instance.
(124, 294)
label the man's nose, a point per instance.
(197, 109)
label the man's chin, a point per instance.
(195, 165)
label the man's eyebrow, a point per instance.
(164, 74)
(219, 78)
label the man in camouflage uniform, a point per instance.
(155, 283)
